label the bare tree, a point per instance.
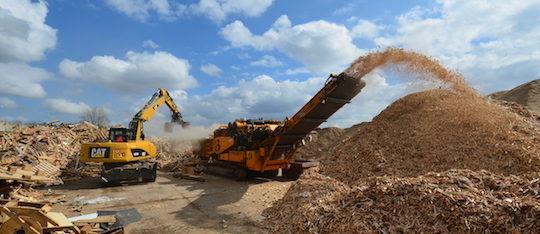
(96, 115)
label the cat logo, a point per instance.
(99, 153)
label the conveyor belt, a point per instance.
(337, 92)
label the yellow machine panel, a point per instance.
(115, 152)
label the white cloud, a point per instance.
(218, 10)
(142, 9)
(322, 46)
(65, 106)
(6, 103)
(301, 70)
(22, 80)
(494, 43)
(267, 61)
(24, 36)
(365, 29)
(260, 97)
(150, 44)
(140, 71)
(215, 10)
(211, 70)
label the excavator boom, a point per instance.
(152, 106)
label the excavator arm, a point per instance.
(147, 112)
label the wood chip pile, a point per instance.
(434, 131)
(445, 160)
(527, 95)
(320, 143)
(454, 201)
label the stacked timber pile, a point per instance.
(8, 126)
(442, 160)
(51, 148)
(37, 155)
(176, 155)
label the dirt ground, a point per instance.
(173, 205)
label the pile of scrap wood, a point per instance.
(50, 148)
(29, 217)
(176, 155)
(17, 182)
(37, 155)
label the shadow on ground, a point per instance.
(209, 211)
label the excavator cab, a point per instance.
(121, 135)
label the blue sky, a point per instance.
(227, 59)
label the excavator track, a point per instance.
(114, 173)
(227, 170)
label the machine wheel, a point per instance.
(266, 174)
(151, 177)
(293, 172)
(271, 174)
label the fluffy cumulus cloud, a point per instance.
(267, 61)
(261, 96)
(211, 70)
(66, 107)
(494, 43)
(215, 10)
(322, 46)
(20, 79)
(6, 103)
(138, 72)
(365, 29)
(24, 35)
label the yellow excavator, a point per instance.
(126, 156)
